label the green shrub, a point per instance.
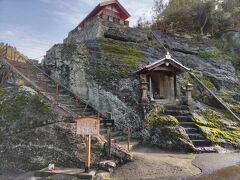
(207, 82)
(197, 16)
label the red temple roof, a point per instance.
(123, 12)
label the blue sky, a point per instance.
(33, 26)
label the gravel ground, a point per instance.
(152, 163)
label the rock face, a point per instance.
(101, 71)
(100, 67)
(231, 41)
(33, 134)
(202, 56)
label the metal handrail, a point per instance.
(222, 103)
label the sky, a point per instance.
(34, 26)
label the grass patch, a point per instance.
(130, 56)
(152, 44)
(2, 92)
(16, 109)
(38, 105)
(216, 54)
(116, 61)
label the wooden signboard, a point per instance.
(88, 126)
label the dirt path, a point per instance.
(152, 163)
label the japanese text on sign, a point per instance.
(88, 126)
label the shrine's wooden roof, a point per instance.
(168, 62)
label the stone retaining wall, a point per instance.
(99, 28)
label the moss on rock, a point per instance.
(217, 135)
(128, 55)
(155, 116)
(216, 130)
(20, 107)
(165, 131)
(113, 61)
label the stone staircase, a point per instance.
(184, 116)
(59, 95)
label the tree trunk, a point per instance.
(203, 26)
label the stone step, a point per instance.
(61, 97)
(192, 130)
(208, 149)
(133, 144)
(176, 107)
(81, 110)
(118, 139)
(103, 131)
(29, 71)
(114, 134)
(74, 105)
(68, 100)
(178, 113)
(196, 136)
(201, 143)
(184, 118)
(91, 114)
(187, 124)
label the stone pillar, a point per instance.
(189, 88)
(144, 87)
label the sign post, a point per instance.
(111, 124)
(88, 126)
(88, 153)
(109, 143)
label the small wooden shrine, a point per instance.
(159, 80)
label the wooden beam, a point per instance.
(175, 86)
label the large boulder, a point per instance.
(128, 34)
